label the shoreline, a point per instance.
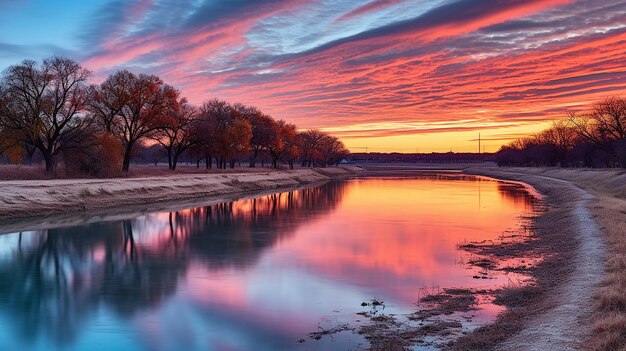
(577, 300)
(555, 313)
(27, 200)
(578, 233)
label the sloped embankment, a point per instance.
(37, 198)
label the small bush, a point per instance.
(100, 156)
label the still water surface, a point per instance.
(253, 274)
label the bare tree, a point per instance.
(108, 99)
(43, 104)
(178, 132)
(215, 118)
(332, 150)
(229, 133)
(236, 139)
(263, 134)
(131, 107)
(289, 135)
(610, 117)
(606, 122)
(562, 134)
(284, 144)
(6, 140)
(308, 142)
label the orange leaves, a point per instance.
(130, 107)
(14, 152)
(238, 135)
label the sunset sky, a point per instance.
(390, 75)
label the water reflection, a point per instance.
(511, 192)
(257, 273)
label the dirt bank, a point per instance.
(556, 313)
(40, 198)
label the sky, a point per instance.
(383, 75)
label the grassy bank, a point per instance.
(38, 172)
(603, 326)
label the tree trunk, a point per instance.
(255, 154)
(169, 159)
(30, 152)
(126, 163)
(174, 162)
(127, 153)
(47, 156)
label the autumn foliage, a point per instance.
(50, 111)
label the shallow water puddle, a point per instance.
(314, 268)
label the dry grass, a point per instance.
(37, 172)
(553, 240)
(609, 310)
(446, 303)
(22, 172)
(609, 186)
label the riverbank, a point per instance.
(40, 198)
(578, 301)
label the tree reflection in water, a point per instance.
(52, 281)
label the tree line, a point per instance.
(50, 108)
(595, 137)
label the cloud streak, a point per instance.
(344, 66)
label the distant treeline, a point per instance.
(593, 138)
(50, 111)
(435, 157)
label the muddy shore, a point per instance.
(555, 313)
(575, 302)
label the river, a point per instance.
(259, 273)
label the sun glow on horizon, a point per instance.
(413, 140)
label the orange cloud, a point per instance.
(500, 67)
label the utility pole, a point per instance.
(479, 143)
